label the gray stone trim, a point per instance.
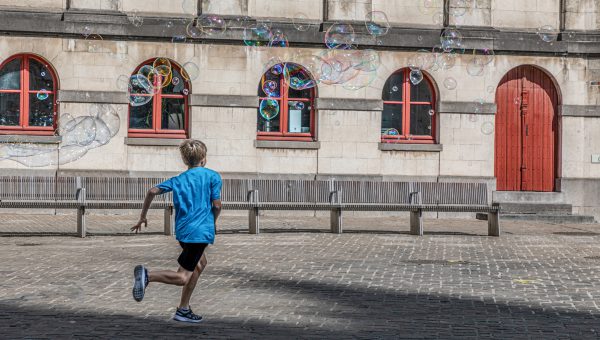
(30, 139)
(224, 100)
(349, 104)
(411, 147)
(153, 141)
(276, 144)
(580, 110)
(102, 97)
(468, 107)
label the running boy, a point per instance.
(197, 200)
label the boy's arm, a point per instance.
(147, 201)
(216, 209)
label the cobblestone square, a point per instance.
(295, 280)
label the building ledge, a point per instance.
(276, 144)
(30, 139)
(153, 141)
(411, 147)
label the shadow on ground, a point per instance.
(359, 313)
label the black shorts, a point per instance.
(190, 255)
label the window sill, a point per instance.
(153, 141)
(30, 139)
(276, 144)
(411, 147)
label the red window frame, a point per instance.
(405, 136)
(284, 100)
(156, 131)
(23, 128)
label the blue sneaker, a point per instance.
(140, 282)
(186, 315)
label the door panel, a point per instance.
(526, 131)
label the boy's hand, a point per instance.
(138, 226)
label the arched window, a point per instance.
(286, 104)
(28, 88)
(158, 100)
(409, 114)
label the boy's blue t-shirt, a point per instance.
(193, 193)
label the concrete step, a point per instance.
(528, 197)
(547, 218)
(536, 208)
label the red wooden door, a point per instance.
(526, 131)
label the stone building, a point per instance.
(526, 120)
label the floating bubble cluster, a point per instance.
(142, 86)
(79, 135)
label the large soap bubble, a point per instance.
(140, 90)
(269, 108)
(451, 39)
(211, 24)
(258, 34)
(278, 39)
(548, 33)
(340, 36)
(297, 77)
(377, 23)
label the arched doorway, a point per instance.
(526, 157)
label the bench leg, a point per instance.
(168, 221)
(81, 228)
(254, 221)
(336, 221)
(416, 222)
(493, 224)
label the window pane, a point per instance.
(176, 85)
(39, 76)
(271, 83)
(140, 117)
(10, 109)
(299, 93)
(10, 75)
(173, 114)
(392, 119)
(269, 125)
(392, 90)
(298, 116)
(420, 92)
(420, 120)
(41, 109)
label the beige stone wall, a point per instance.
(156, 7)
(399, 12)
(349, 139)
(35, 4)
(525, 14)
(311, 9)
(105, 5)
(582, 15)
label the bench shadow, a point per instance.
(358, 312)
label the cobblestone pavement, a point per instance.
(297, 281)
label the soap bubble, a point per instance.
(451, 39)
(277, 69)
(446, 60)
(450, 83)
(377, 23)
(269, 108)
(258, 34)
(367, 61)
(395, 88)
(189, 7)
(474, 68)
(178, 39)
(122, 82)
(162, 62)
(422, 60)
(83, 132)
(272, 62)
(239, 22)
(547, 33)
(270, 88)
(135, 19)
(416, 76)
(211, 24)
(300, 22)
(278, 39)
(93, 42)
(109, 115)
(431, 112)
(340, 36)
(487, 128)
(192, 30)
(361, 80)
(42, 95)
(190, 71)
(140, 90)
(87, 30)
(299, 106)
(484, 56)
(297, 77)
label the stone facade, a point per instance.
(348, 130)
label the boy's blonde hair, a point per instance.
(193, 152)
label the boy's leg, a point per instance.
(179, 278)
(188, 289)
